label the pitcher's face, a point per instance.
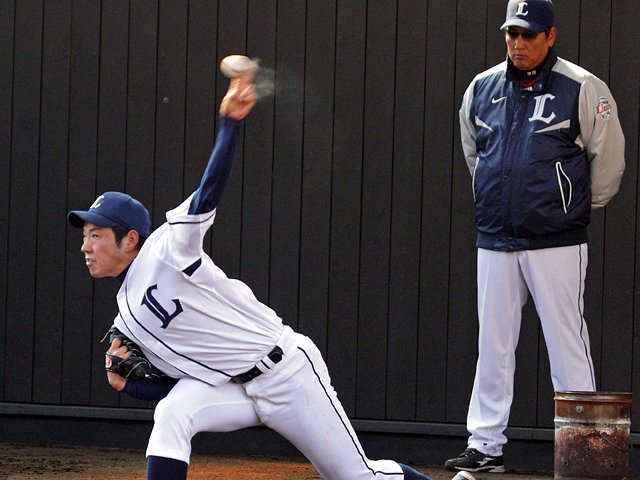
(102, 255)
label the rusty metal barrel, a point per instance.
(592, 435)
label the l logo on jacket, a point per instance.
(538, 111)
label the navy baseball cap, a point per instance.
(534, 15)
(114, 209)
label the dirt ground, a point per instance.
(29, 462)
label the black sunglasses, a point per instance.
(525, 34)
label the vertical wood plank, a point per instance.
(440, 117)
(202, 74)
(22, 240)
(317, 167)
(258, 158)
(406, 209)
(496, 49)
(620, 274)
(170, 113)
(7, 28)
(346, 202)
(624, 83)
(54, 128)
(379, 84)
(287, 160)
(141, 102)
(567, 20)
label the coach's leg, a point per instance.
(556, 279)
(502, 293)
(193, 406)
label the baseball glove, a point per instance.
(135, 367)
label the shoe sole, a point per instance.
(488, 469)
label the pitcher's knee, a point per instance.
(171, 434)
(173, 420)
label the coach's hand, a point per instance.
(117, 381)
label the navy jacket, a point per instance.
(540, 156)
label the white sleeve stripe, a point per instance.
(195, 222)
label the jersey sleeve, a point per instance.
(183, 235)
(603, 139)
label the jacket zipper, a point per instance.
(565, 202)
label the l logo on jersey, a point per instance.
(158, 310)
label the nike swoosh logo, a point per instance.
(496, 100)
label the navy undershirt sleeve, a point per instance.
(215, 176)
(152, 389)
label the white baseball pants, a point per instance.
(295, 398)
(555, 278)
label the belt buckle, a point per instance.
(274, 355)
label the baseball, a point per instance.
(236, 66)
(463, 475)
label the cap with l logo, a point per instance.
(114, 209)
(534, 15)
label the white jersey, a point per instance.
(188, 317)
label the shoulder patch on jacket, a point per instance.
(603, 108)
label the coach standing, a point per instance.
(543, 142)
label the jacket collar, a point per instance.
(541, 78)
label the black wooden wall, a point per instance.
(349, 210)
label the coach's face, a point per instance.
(528, 49)
(102, 254)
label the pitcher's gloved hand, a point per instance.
(131, 364)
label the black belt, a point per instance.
(274, 355)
